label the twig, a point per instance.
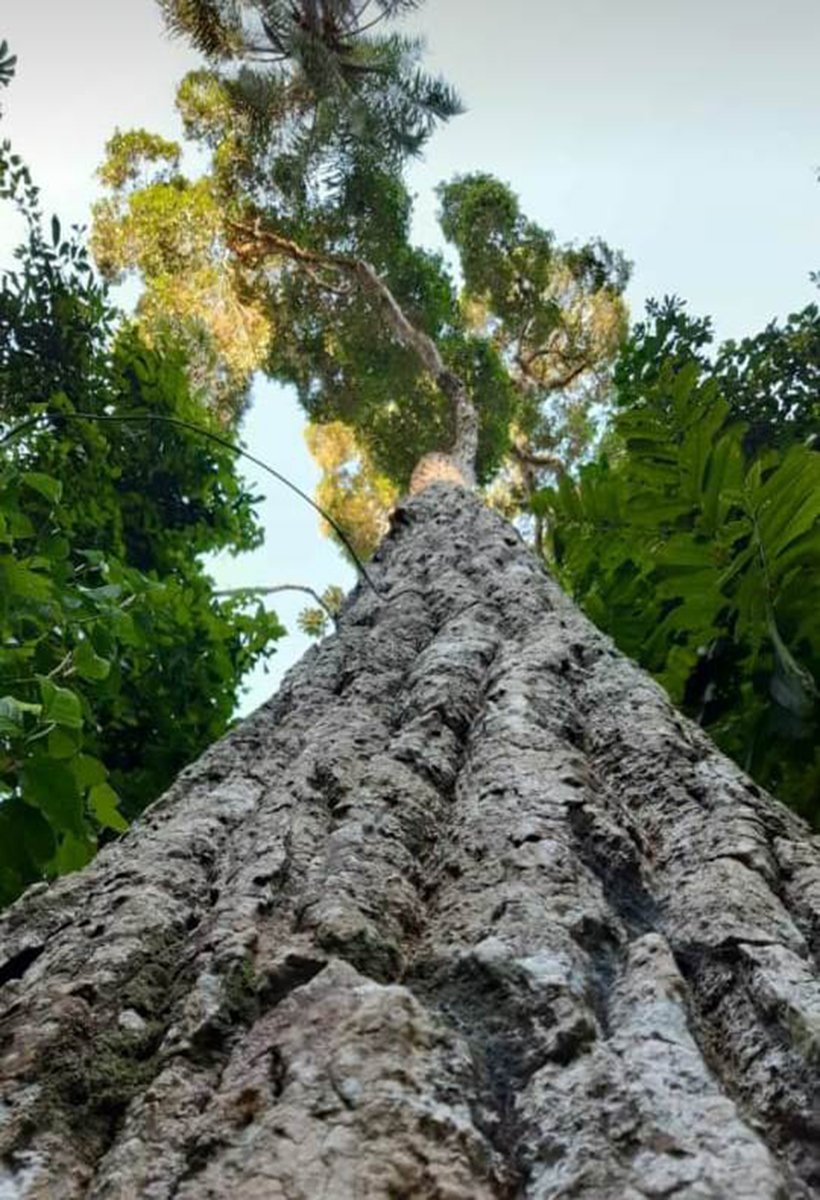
(282, 587)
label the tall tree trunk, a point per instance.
(467, 910)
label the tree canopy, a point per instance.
(316, 177)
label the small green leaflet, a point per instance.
(88, 663)
(104, 801)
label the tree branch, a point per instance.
(453, 386)
(282, 587)
(556, 385)
(559, 384)
(529, 458)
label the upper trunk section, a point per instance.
(467, 910)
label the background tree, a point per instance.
(772, 381)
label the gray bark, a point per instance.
(467, 910)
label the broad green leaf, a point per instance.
(697, 448)
(681, 553)
(803, 552)
(19, 525)
(50, 786)
(679, 665)
(46, 485)
(61, 744)
(17, 580)
(740, 562)
(60, 705)
(88, 771)
(805, 516)
(107, 591)
(124, 628)
(56, 547)
(94, 558)
(788, 503)
(723, 479)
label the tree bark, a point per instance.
(466, 911)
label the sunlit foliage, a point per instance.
(357, 497)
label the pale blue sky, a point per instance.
(685, 132)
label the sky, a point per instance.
(684, 133)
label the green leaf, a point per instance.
(104, 803)
(51, 488)
(125, 630)
(108, 591)
(19, 525)
(60, 705)
(681, 554)
(789, 500)
(94, 558)
(88, 771)
(652, 510)
(56, 548)
(17, 580)
(88, 663)
(724, 478)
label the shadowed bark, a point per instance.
(466, 911)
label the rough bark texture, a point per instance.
(466, 911)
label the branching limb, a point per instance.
(463, 452)
(525, 363)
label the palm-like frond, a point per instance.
(319, 91)
(8, 62)
(213, 27)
